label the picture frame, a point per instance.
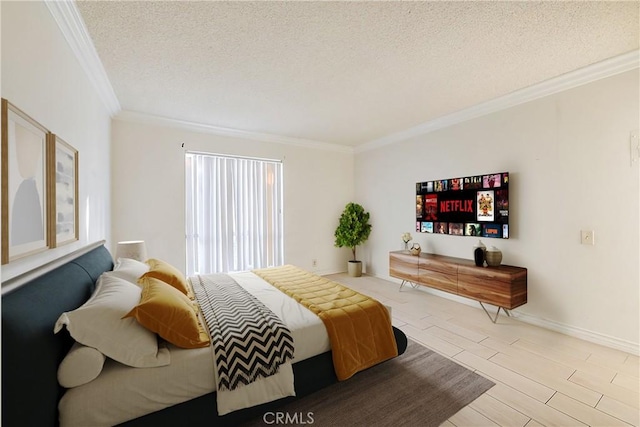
(25, 199)
(63, 178)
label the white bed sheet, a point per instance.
(121, 393)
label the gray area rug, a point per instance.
(419, 388)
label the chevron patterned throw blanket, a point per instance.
(249, 341)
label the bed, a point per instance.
(31, 353)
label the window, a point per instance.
(233, 213)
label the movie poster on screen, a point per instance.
(431, 207)
(473, 229)
(502, 203)
(492, 230)
(485, 205)
(472, 182)
(455, 184)
(419, 206)
(456, 228)
(492, 181)
(441, 228)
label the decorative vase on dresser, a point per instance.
(415, 249)
(479, 251)
(493, 256)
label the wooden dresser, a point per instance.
(503, 286)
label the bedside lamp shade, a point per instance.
(134, 249)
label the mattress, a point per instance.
(121, 393)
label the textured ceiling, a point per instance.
(342, 72)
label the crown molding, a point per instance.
(588, 74)
(68, 18)
(138, 117)
(70, 22)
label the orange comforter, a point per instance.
(358, 326)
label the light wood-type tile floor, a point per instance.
(543, 378)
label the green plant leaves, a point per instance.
(353, 228)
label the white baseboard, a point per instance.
(572, 331)
(594, 337)
(326, 272)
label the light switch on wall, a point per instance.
(587, 237)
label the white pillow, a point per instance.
(129, 269)
(81, 365)
(99, 324)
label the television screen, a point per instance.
(467, 206)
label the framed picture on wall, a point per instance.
(25, 190)
(64, 191)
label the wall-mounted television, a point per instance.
(467, 206)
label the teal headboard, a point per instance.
(31, 352)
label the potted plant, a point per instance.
(353, 230)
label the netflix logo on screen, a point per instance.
(456, 206)
(467, 205)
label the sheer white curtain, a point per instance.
(233, 213)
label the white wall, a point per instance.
(568, 155)
(42, 77)
(148, 191)
(569, 163)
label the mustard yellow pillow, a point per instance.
(169, 313)
(169, 274)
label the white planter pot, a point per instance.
(354, 268)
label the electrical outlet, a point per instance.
(587, 237)
(314, 262)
